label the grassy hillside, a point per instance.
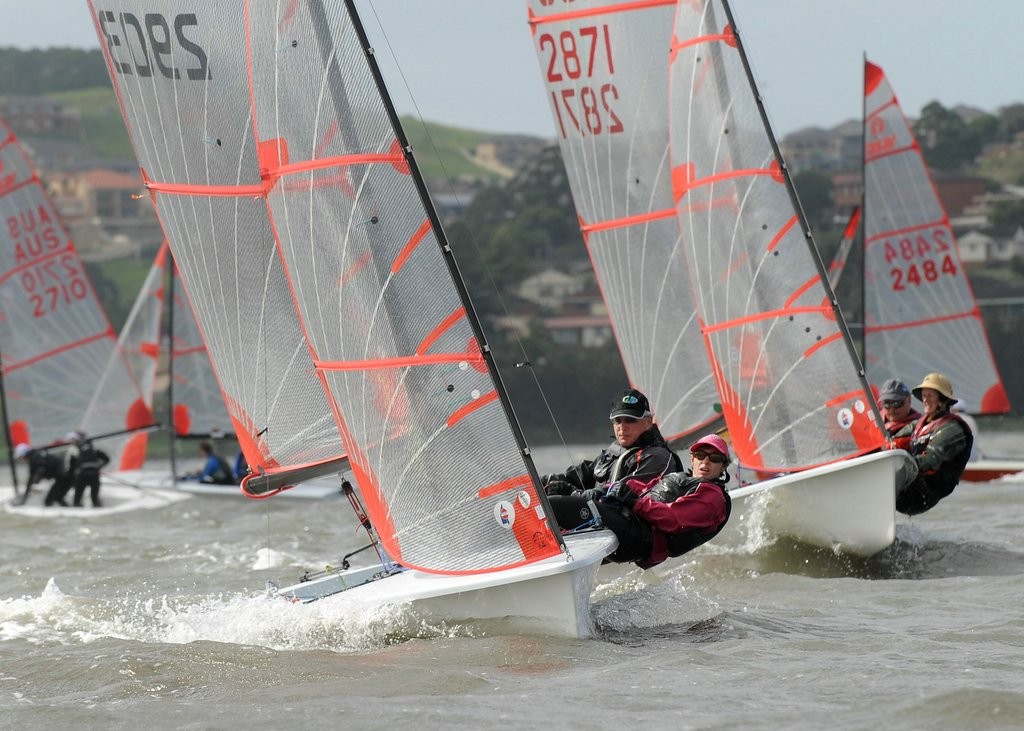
(442, 152)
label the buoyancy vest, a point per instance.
(949, 472)
(675, 486)
(89, 460)
(894, 426)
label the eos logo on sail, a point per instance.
(136, 47)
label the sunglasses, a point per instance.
(715, 457)
(893, 404)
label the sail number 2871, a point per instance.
(571, 58)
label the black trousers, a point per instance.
(921, 495)
(93, 483)
(635, 540)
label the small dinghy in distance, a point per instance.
(116, 499)
(333, 309)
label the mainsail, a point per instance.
(61, 366)
(783, 362)
(605, 64)
(920, 311)
(311, 256)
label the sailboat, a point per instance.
(60, 365)
(161, 320)
(605, 69)
(333, 309)
(792, 392)
(920, 312)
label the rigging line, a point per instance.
(525, 362)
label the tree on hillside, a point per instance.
(39, 71)
(946, 140)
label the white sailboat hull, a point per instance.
(848, 507)
(161, 479)
(986, 470)
(551, 597)
(115, 499)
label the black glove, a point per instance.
(593, 493)
(558, 487)
(619, 493)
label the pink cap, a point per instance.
(715, 442)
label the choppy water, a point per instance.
(159, 619)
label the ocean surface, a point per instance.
(160, 619)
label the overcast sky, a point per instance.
(470, 63)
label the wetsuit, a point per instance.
(649, 458)
(45, 466)
(668, 516)
(84, 465)
(941, 448)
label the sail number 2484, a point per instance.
(933, 257)
(570, 59)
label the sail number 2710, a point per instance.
(572, 57)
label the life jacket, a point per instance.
(89, 461)
(894, 426)
(672, 488)
(948, 474)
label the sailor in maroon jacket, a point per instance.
(663, 517)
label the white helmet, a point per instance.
(21, 451)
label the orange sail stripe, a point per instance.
(503, 486)
(398, 362)
(413, 242)
(975, 313)
(782, 233)
(798, 292)
(942, 222)
(726, 36)
(843, 398)
(67, 346)
(37, 261)
(472, 406)
(683, 182)
(766, 315)
(625, 221)
(821, 344)
(882, 154)
(458, 314)
(608, 10)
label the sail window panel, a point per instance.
(189, 119)
(223, 247)
(306, 57)
(606, 73)
(431, 473)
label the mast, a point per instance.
(863, 212)
(7, 431)
(449, 258)
(802, 218)
(169, 304)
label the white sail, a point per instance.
(920, 311)
(283, 185)
(605, 66)
(784, 366)
(61, 367)
(197, 407)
